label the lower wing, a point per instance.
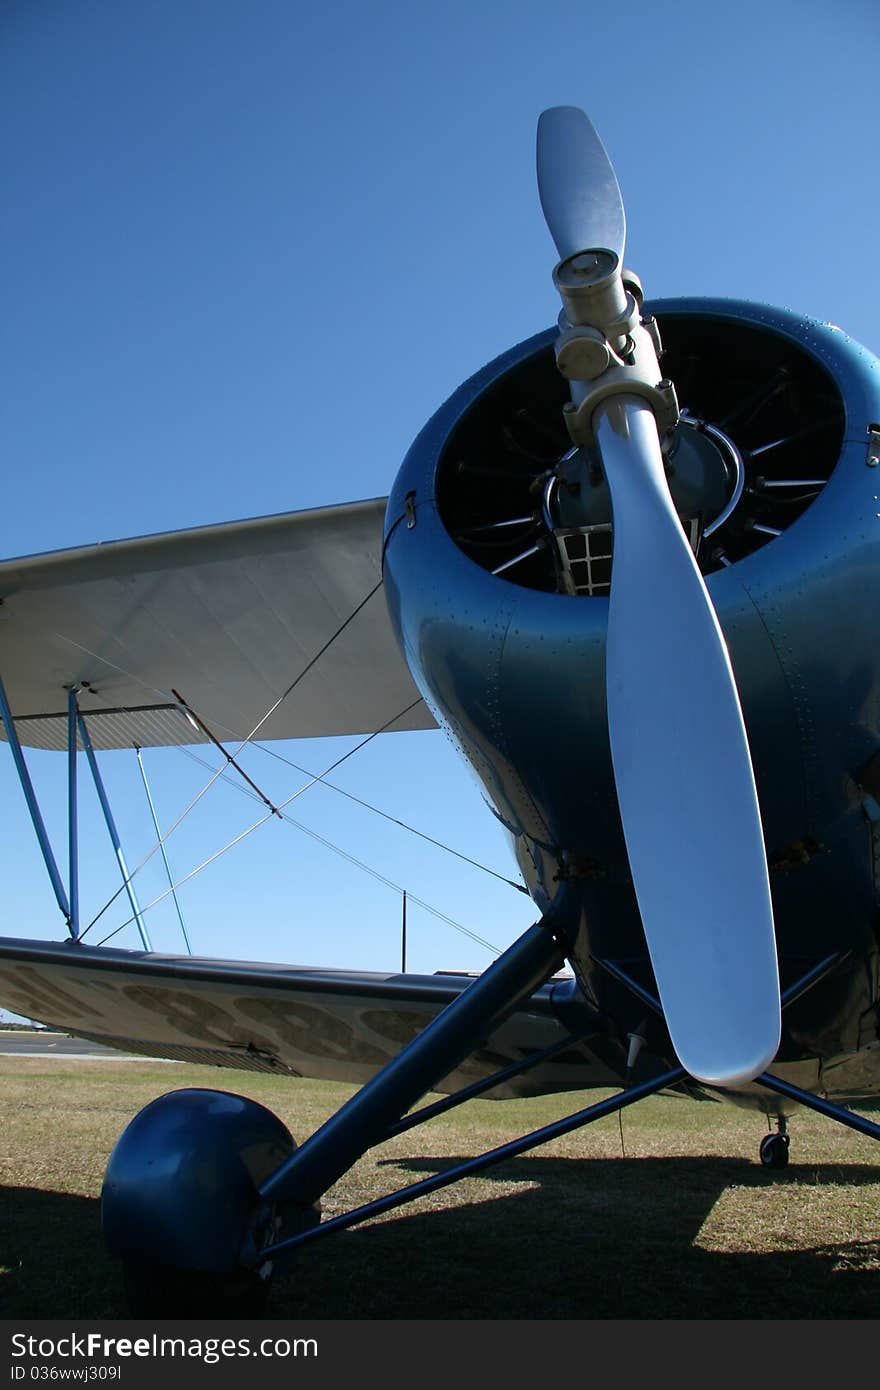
(328, 1024)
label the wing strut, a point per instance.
(111, 826)
(33, 806)
(76, 729)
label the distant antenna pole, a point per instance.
(162, 848)
(403, 937)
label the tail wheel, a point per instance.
(774, 1151)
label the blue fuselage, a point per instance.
(515, 675)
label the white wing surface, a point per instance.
(230, 616)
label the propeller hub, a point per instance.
(595, 265)
(704, 473)
(588, 266)
(591, 286)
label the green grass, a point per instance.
(686, 1225)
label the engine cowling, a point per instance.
(499, 561)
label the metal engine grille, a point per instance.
(772, 401)
(585, 558)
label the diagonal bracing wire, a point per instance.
(275, 810)
(313, 834)
(314, 778)
(368, 806)
(165, 695)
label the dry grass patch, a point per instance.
(682, 1223)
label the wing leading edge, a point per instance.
(228, 615)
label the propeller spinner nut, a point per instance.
(592, 290)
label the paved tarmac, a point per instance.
(14, 1044)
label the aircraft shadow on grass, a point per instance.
(581, 1238)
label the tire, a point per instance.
(774, 1151)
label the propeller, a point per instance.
(682, 767)
(577, 185)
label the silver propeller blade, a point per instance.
(578, 187)
(682, 767)
(684, 775)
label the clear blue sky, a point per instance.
(247, 249)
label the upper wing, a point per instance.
(227, 615)
(328, 1024)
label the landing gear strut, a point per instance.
(201, 1182)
